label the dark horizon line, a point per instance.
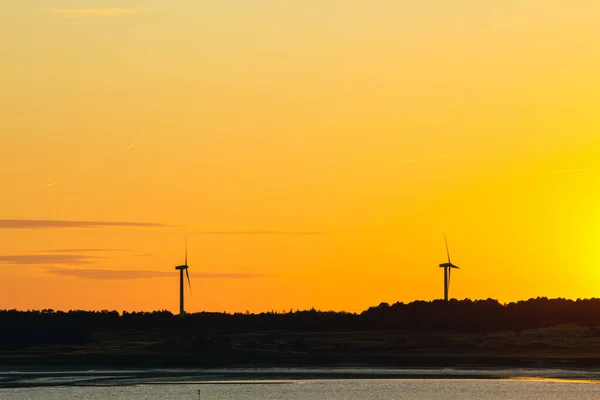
(313, 309)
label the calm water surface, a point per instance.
(443, 388)
(413, 389)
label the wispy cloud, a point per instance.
(107, 274)
(46, 224)
(217, 275)
(45, 259)
(113, 274)
(84, 250)
(94, 11)
(261, 232)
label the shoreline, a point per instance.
(43, 376)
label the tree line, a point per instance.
(455, 315)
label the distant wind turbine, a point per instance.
(448, 266)
(181, 268)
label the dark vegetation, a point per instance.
(534, 332)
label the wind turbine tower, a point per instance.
(448, 266)
(182, 268)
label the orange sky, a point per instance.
(312, 153)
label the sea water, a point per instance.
(494, 385)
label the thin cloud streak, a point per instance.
(48, 224)
(94, 11)
(216, 275)
(261, 232)
(79, 250)
(112, 274)
(46, 259)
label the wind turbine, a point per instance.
(182, 268)
(448, 266)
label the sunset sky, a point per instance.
(312, 152)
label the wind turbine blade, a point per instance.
(447, 250)
(185, 252)
(188, 279)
